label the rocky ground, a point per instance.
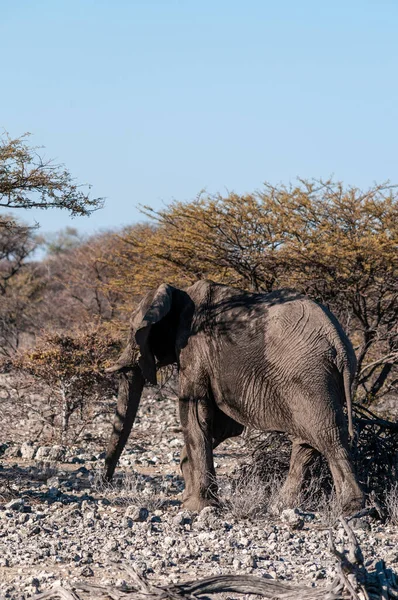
(58, 523)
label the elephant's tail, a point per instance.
(348, 397)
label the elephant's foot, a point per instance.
(351, 504)
(350, 497)
(283, 500)
(352, 508)
(290, 495)
(196, 504)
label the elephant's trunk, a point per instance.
(131, 384)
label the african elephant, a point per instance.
(275, 361)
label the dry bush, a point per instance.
(264, 471)
(72, 368)
(375, 451)
(77, 289)
(29, 403)
(33, 411)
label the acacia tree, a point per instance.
(20, 285)
(342, 249)
(337, 244)
(232, 240)
(27, 180)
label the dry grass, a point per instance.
(133, 488)
(391, 503)
(250, 495)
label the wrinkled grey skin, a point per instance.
(274, 361)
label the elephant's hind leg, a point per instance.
(348, 491)
(302, 456)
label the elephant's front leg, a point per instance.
(197, 461)
(224, 427)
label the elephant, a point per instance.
(273, 361)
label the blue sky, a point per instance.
(153, 100)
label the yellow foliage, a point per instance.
(279, 236)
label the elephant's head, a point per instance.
(152, 343)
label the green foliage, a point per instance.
(62, 241)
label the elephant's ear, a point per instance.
(152, 310)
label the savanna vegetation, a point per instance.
(336, 243)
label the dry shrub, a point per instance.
(375, 451)
(254, 489)
(71, 368)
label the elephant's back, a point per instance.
(307, 332)
(285, 324)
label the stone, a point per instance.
(57, 453)
(183, 518)
(293, 518)
(17, 504)
(3, 448)
(360, 524)
(136, 513)
(53, 482)
(50, 453)
(28, 451)
(12, 452)
(43, 453)
(54, 492)
(208, 517)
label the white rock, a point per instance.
(28, 451)
(136, 513)
(293, 518)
